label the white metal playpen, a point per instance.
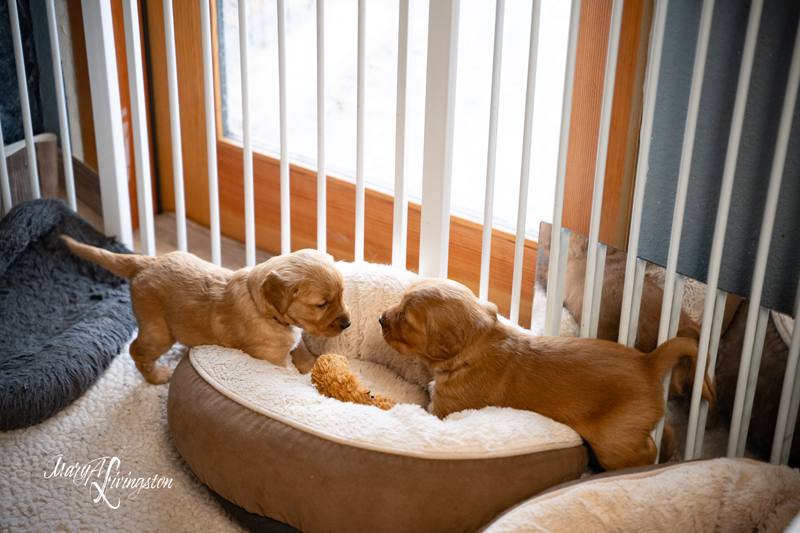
(437, 165)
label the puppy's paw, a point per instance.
(159, 375)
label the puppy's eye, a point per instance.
(323, 305)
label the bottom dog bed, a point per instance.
(62, 319)
(701, 496)
(263, 438)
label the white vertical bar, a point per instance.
(104, 85)
(674, 320)
(400, 226)
(5, 186)
(437, 163)
(600, 166)
(211, 133)
(720, 226)
(322, 178)
(783, 435)
(175, 126)
(488, 202)
(638, 285)
(141, 152)
(739, 426)
(716, 329)
(686, 165)
(527, 139)
(672, 282)
(794, 406)
(22, 81)
(599, 272)
(651, 89)
(61, 100)
(554, 305)
(359, 237)
(247, 145)
(562, 265)
(286, 213)
(752, 381)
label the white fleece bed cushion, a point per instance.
(705, 496)
(283, 394)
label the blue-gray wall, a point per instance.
(773, 55)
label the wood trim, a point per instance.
(642, 45)
(81, 63)
(595, 21)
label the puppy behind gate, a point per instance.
(179, 297)
(611, 395)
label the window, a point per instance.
(473, 93)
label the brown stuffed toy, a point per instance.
(333, 378)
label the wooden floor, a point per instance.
(198, 239)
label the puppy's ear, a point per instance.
(278, 291)
(444, 342)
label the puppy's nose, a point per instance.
(345, 325)
(380, 320)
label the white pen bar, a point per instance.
(400, 221)
(359, 236)
(739, 425)
(211, 134)
(555, 304)
(5, 185)
(638, 286)
(437, 158)
(600, 166)
(22, 83)
(61, 101)
(716, 330)
(322, 178)
(784, 426)
(720, 226)
(599, 272)
(527, 139)
(175, 126)
(491, 158)
(651, 89)
(247, 146)
(677, 298)
(286, 212)
(141, 148)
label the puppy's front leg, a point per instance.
(302, 358)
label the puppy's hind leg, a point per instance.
(153, 341)
(624, 450)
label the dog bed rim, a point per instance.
(471, 455)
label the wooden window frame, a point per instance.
(465, 232)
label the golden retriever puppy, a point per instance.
(179, 297)
(611, 395)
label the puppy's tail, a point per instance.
(666, 356)
(123, 265)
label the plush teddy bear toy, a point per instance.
(333, 378)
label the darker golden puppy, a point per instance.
(179, 297)
(611, 395)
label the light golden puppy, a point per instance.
(179, 297)
(611, 395)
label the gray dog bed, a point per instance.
(62, 319)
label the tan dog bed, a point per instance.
(702, 496)
(263, 438)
